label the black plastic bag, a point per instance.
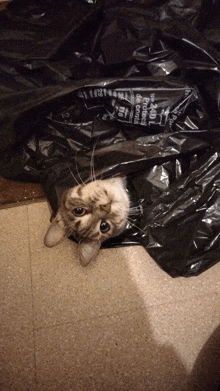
(135, 84)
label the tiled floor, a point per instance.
(119, 324)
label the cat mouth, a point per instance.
(76, 236)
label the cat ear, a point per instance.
(88, 251)
(54, 235)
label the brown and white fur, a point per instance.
(92, 213)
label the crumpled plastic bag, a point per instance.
(135, 84)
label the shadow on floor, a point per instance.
(205, 375)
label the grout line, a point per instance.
(196, 296)
(32, 297)
(136, 309)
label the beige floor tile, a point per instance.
(63, 291)
(163, 348)
(17, 362)
(120, 324)
(116, 352)
(120, 278)
(187, 326)
(15, 288)
(156, 287)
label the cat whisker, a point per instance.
(102, 175)
(92, 164)
(139, 203)
(133, 210)
(136, 210)
(135, 207)
(72, 174)
(82, 182)
(92, 168)
(135, 226)
(134, 213)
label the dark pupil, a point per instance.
(104, 227)
(79, 211)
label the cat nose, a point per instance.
(106, 207)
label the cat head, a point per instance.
(92, 213)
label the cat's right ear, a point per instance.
(88, 250)
(54, 235)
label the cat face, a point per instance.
(91, 213)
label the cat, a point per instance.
(91, 213)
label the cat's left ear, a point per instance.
(88, 251)
(55, 234)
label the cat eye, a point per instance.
(79, 211)
(104, 226)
